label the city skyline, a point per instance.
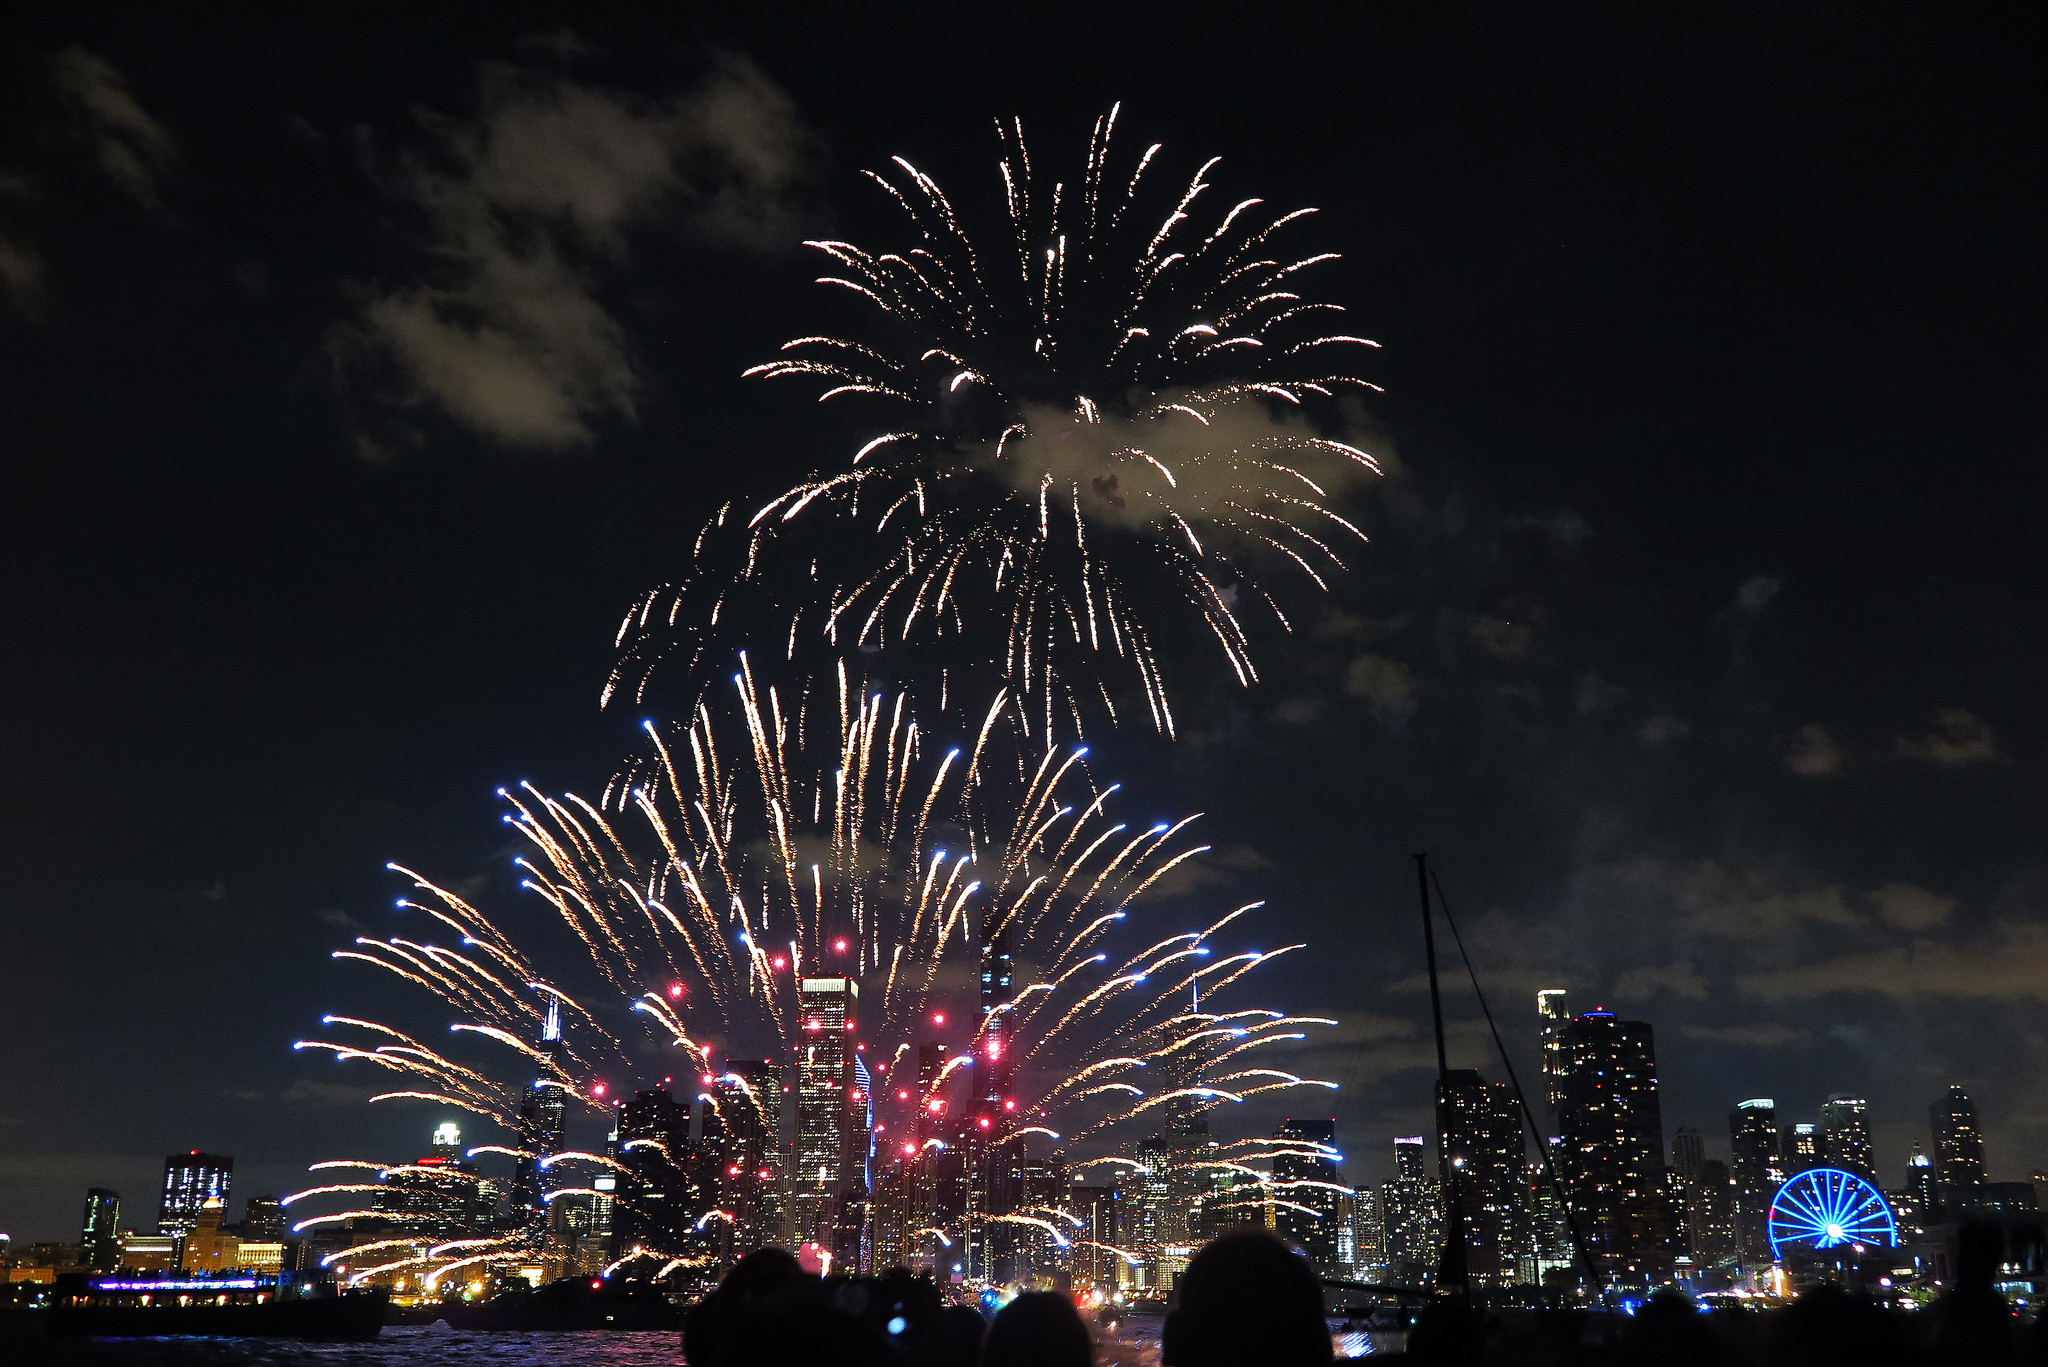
(1684, 638)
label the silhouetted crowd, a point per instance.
(1248, 1300)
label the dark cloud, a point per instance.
(1906, 907)
(1755, 594)
(1958, 738)
(1763, 1036)
(96, 111)
(2009, 962)
(1642, 984)
(1388, 686)
(1815, 753)
(21, 263)
(131, 148)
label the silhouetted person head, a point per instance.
(955, 1340)
(1972, 1322)
(762, 1272)
(1246, 1298)
(802, 1327)
(1038, 1329)
(710, 1322)
(1670, 1330)
(1827, 1327)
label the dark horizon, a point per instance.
(1690, 640)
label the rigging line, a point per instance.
(1542, 1146)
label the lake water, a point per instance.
(397, 1346)
(411, 1346)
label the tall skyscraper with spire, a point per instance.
(543, 1126)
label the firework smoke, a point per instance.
(1104, 423)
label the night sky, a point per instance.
(1699, 638)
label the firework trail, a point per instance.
(823, 832)
(1102, 422)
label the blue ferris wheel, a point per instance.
(1825, 1208)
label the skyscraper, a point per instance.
(1958, 1149)
(655, 1207)
(1362, 1238)
(1916, 1205)
(1688, 1152)
(1479, 1127)
(1710, 1221)
(1753, 1149)
(437, 1194)
(1554, 1017)
(1305, 1174)
(263, 1219)
(543, 1125)
(1614, 1147)
(1412, 1206)
(1100, 1211)
(100, 1233)
(190, 1181)
(749, 1095)
(1798, 1148)
(1845, 1135)
(831, 1138)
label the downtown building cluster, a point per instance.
(685, 1179)
(1606, 1204)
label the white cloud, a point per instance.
(530, 203)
